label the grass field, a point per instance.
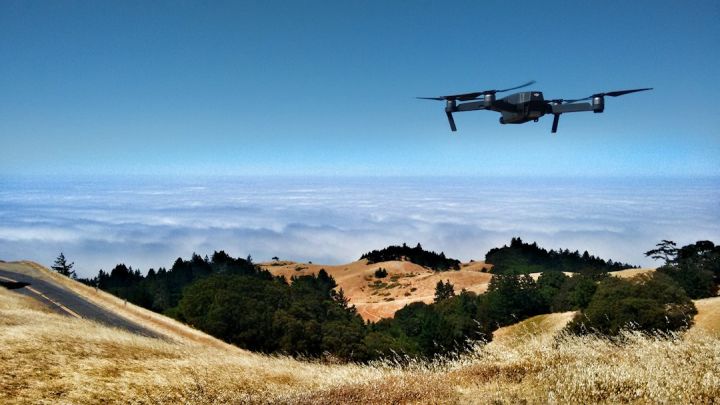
(48, 358)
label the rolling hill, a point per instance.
(406, 282)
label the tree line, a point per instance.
(523, 258)
(417, 255)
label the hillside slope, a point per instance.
(545, 326)
(49, 358)
(707, 319)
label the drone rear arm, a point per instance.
(568, 108)
(558, 109)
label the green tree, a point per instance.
(696, 267)
(649, 302)
(665, 250)
(691, 276)
(444, 291)
(575, 293)
(549, 284)
(63, 267)
(236, 308)
(509, 298)
(523, 258)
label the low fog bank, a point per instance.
(148, 222)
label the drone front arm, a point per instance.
(472, 106)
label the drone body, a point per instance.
(522, 107)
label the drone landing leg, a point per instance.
(556, 120)
(451, 120)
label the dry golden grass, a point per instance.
(628, 273)
(571, 369)
(707, 319)
(48, 358)
(544, 326)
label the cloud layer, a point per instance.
(146, 222)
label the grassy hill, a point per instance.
(406, 282)
(48, 358)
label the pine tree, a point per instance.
(63, 267)
(444, 291)
(666, 250)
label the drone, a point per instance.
(522, 107)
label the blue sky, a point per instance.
(278, 87)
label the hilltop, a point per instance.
(406, 282)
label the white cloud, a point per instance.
(150, 223)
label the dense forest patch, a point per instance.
(524, 258)
(417, 255)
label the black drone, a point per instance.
(522, 107)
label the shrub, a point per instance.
(381, 273)
(575, 293)
(648, 302)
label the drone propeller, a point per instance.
(511, 88)
(474, 95)
(456, 97)
(609, 93)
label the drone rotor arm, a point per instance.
(568, 108)
(471, 106)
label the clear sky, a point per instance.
(328, 87)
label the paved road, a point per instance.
(66, 302)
